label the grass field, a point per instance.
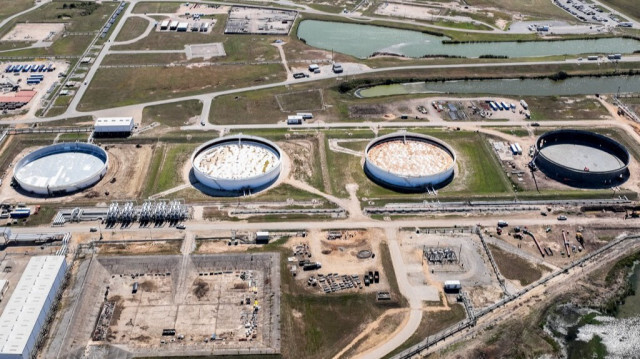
(113, 87)
(166, 167)
(318, 326)
(12, 7)
(257, 107)
(133, 28)
(167, 41)
(627, 7)
(78, 17)
(541, 9)
(44, 216)
(514, 267)
(566, 108)
(156, 7)
(246, 48)
(310, 100)
(478, 173)
(82, 16)
(174, 114)
(143, 59)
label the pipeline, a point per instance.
(566, 243)
(534, 241)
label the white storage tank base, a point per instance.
(237, 163)
(61, 168)
(410, 161)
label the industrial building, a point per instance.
(237, 163)
(582, 158)
(61, 168)
(30, 304)
(409, 161)
(113, 127)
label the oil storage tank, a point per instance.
(237, 163)
(409, 161)
(582, 158)
(61, 168)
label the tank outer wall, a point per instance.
(224, 184)
(59, 148)
(586, 178)
(409, 182)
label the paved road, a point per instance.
(71, 112)
(208, 97)
(415, 302)
(146, 32)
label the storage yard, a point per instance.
(25, 84)
(250, 20)
(156, 305)
(338, 261)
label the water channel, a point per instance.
(631, 306)
(363, 40)
(516, 87)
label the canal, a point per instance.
(516, 87)
(363, 40)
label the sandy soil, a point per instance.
(202, 9)
(423, 109)
(34, 32)
(416, 12)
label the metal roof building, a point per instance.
(114, 125)
(27, 309)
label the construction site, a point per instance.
(338, 261)
(253, 20)
(192, 305)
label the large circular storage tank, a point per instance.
(236, 163)
(410, 161)
(582, 158)
(61, 168)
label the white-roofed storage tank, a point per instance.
(61, 168)
(405, 160)
(237, 163)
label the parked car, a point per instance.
(562, 218)
(181, 226)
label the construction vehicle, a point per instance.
(580, 238)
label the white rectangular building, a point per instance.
(164, 25)
(182, 27)
(114, 125)
(27, 309)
